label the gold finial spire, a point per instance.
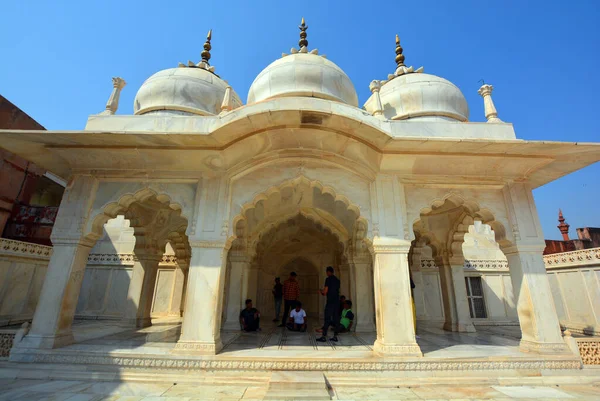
(399, 55)
(303, 27)
(206, 52)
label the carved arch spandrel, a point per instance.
(471, 208)
(162, 212)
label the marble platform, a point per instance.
(274, 348)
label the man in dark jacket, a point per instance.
(331, 290)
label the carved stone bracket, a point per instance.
(26, 249)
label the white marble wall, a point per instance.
(575, 285)
(22, 271)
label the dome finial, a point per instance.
(303, 27)
(206, 52)
(399, 55)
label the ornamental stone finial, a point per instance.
(375, 87)
(227, 104)
(113, 101)
(303, 27)
(490, 110)
(206, 52)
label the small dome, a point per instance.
(420, 96)
(303, 74)
(186, 90)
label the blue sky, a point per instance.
(543, 58)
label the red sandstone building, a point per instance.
(29, 196)
(588, 237)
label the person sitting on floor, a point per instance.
(346, 321)
(297, 320)
(250, 317)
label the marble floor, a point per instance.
(273, 341)
(74, 390)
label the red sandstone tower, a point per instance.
(563, 227)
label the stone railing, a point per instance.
(573, 259)
(486, 264)
(589, 348)
(11, 247)
(428, 264)
(123, 259)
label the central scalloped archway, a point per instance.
(300, 196)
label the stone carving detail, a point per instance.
(6, 343)
(125, 259)
(428, 264)
(111, 259)
(18, 248)
(485, 264)
(244, 364)
(589, 350)
(574, 258)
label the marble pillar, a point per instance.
(395, 330)
(201, 328)
(175, 308)
(235, 295)
(540, 328)
(363, 304)
(141, 288)
(51, 326)
(454, 293)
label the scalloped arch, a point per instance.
(331, 209)
(473, 211)
(123, 204)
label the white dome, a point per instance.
(303, 74)
(183, 89)
(420, 96)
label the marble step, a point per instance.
(297, 395)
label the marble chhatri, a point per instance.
(197, 202)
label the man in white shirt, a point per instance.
(297, 320)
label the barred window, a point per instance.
(475, 297)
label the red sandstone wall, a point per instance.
(18, 177)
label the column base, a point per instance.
(46, 342)
(460, 327)
(544, 348)
(398, 349)
(197, 348)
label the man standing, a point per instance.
(331, 290)
(278, 297)
(291, 293)
(250, 317)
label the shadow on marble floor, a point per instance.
(161, 337)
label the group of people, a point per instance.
(338, 310)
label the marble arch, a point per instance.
(299, 209)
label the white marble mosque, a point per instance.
(178, 213)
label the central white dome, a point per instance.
(305, 75)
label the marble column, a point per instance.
(454, 293)
(201, 332)
(395, 330)
(363, 304)
(141, 288)
(235, 294)
(540, 328)
(178, 290)
(51, 326)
